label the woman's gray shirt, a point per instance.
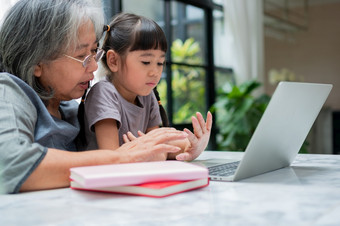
(27, 130)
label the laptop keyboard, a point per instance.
(226, 169)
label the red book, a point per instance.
(154, 189)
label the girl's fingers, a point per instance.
(197, 127)
(183, 157)
(131, 136)
(200, 126)
(201, 121)
(191, 137)
(209, 121)
(140, 133)
(125, 138)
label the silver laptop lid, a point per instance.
(283, 127)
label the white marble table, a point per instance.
(307, 193)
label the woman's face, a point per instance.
(66, 76)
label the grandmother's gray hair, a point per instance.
(36, 31)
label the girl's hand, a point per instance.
(199, 139)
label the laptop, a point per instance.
(279, 135)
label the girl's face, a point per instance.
(140, 73)
(66, 76)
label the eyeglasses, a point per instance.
(87, 59)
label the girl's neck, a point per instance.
(126, 94)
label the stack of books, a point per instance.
(153, 179)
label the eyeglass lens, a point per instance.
(99, 55)
(96, 57)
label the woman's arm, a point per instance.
(54, 170)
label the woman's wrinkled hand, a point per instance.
(153, 146)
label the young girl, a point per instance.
(123, 106)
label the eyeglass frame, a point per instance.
(85, 63)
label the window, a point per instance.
(188, 61)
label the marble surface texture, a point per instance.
(307, 193)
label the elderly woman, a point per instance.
(49, 51)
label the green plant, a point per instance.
(186, 52)
(237, 114)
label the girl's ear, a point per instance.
(37, 70)
(112, 59)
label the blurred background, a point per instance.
(227, 56)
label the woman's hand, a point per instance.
(199, 139)
(188, 149)
(153, 146)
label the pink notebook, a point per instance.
(153, 189)
(136, 173)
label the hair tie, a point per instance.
(107, 28)
(159, 102)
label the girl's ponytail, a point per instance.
(165, 121)
(81, 141)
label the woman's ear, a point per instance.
(37, 70)
(112, 60)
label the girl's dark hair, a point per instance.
(165, 121)
(129, 32)
(81, 140)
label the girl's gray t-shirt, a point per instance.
(105, 102)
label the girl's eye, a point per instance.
(145, 62)
(160, 64)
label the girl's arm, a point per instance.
(107, 134)
(152, 128)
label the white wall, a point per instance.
(315, 53)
